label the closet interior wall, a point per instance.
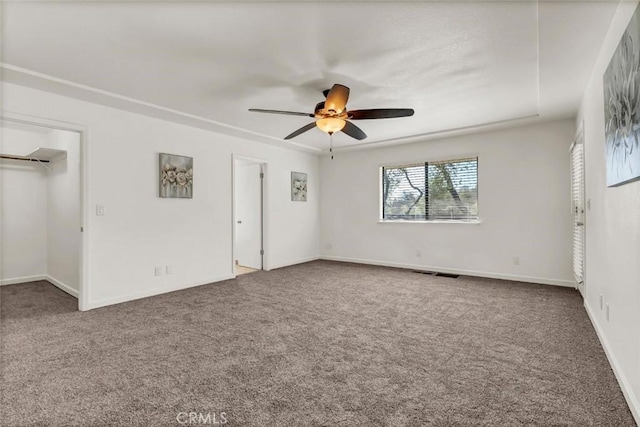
(40, 209)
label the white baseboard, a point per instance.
(290, 263)
(158, 291)
(63, 287)
(627, 391)
(153, 292)
(25, 279)
(528, 279)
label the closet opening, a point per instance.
(41, 213)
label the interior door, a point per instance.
(578, 212)
(248, 214)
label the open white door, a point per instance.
(578, 211)
(248, 213)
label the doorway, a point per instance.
(578, 211)
(41, 224)
(248, 214)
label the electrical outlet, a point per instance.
(607, 312)
(418, 253)
(516, 260)
(158, 271)
(100, 210)
(601, 302)
(169, 269)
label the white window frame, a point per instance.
(408, 163)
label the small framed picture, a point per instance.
(176, 176)
(298, 187)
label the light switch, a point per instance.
(100, 210)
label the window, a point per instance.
(445, 190)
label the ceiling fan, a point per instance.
(332, 115)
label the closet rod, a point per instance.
(28, 159)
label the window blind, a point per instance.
(443, 190)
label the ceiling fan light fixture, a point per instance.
(330, 124)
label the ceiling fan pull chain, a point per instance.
(331, 145)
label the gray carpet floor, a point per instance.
(321, 343)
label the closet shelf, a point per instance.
(43, 155)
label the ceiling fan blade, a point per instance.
(326, 92)
(380, 113)
(353, 131)
(301, 130)
(289, 113)
(337, 98)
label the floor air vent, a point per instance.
(452, 276)
(435, 273)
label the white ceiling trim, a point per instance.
(441, 134)
(14, 74)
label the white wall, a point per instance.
(63, 212)
(612, 234)
(247, 199)
(23, 221)
(141, 231)
(523, 186)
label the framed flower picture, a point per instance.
(298, 186)
(176, 176)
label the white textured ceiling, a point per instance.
(458, 64)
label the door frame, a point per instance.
(264, 223)
(84, 286)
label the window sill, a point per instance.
(434, 221)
